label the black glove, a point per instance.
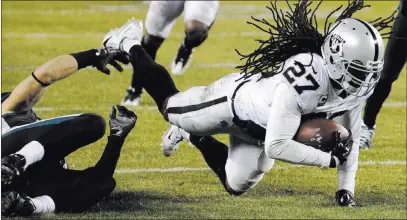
(342, 146)
(122, 124)
(110, 56)
(345, 198)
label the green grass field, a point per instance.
(33, 32)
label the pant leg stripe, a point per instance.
(191, 108)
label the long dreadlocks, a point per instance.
(293, 32)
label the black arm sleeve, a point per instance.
(86, 58)
(107, 163)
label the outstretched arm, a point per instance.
(30, 90)
(352, 121)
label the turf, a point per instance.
(33, 32)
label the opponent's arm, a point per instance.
(30, 90)
(352, 120)
(283, 123)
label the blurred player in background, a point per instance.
(395, 58)
(161, 16)
(33, 180)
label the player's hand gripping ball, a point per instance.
(326, 135)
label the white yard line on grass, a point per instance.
(191, 169)
(41, 35)
(154, 108)
(127, 67)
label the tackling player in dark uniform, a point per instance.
(32, 177)
(394, 59)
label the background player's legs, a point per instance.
(199, 17)
(160, 19)
(394, 60)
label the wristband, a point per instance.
(86, 58)
(39, 81)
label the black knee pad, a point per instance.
(95, 123)
(196, 36)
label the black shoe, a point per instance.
(132, 98)
(181, 61)
(12, 167)
(13, 204)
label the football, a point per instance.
(318, 133)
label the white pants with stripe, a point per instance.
(161, 15)
(207, 111)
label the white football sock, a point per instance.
(43, 204)
(32, 152)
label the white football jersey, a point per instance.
(302, 89)
(308, 79)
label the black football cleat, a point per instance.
(181, 61)
(12, 167)
(132, 98)
(13, 204)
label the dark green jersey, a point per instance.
(18, 118)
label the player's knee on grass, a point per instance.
(231, 191)
(195, 33)
(240, 179)
(246, 165)
(151, 44)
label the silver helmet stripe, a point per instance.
(376, 44)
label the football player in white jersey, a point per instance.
(161, 16)
(297, 73)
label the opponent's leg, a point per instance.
(394, 60)
(199, 17)
(76, 191)
(48, 140)
(160, 19)
(59, 136)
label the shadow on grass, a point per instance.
(141, 204)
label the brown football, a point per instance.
(318, 133)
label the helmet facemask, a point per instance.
(358, 79)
